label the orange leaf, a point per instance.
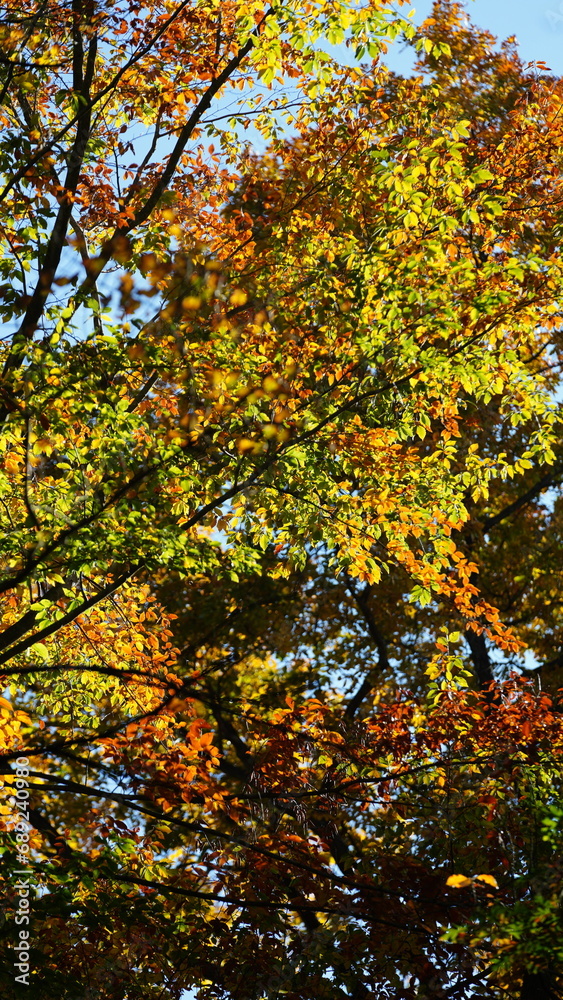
(488, 879)
(458, 881)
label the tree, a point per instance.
(277, 430)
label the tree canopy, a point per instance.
(280, 504)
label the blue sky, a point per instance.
(537, 24)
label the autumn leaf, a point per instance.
(459, 881)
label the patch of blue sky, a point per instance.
(538, 29)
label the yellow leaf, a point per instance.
(245, 444)
(238, 297)
(12, 464)
(43, 445)
(488, 879)
(458, 881)
(191, 302)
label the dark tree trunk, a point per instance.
(480, 657)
